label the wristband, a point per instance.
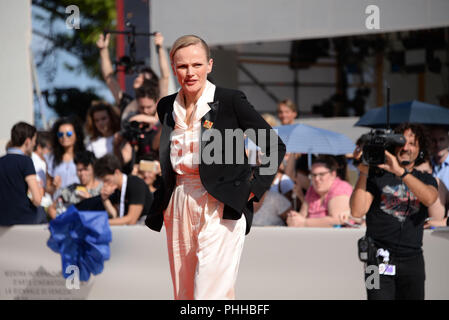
(363, 174)
(406, 172)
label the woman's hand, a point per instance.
(157, 168)
(294, 219)
(151, 120)
(103, 42)
(344, 216)
(158, 40)
(83, 194)
(57, 181)
(127, 152)
(138, 81)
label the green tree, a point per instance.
(95, 16)
(49, 22)
(70, 101)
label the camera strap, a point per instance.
(122, 195)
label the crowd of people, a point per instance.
(128, 134)
(72, 164)
(323, 191)
(64, 163)
(112, 164)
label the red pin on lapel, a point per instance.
(208, 124)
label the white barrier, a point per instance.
(277, 263)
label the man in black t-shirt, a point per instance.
(125, 197)
(397, 216)
(395, 203)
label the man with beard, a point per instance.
(396, 205)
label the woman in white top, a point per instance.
(102, 122)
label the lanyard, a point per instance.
(15, 151)
(122, 195)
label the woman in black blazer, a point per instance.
(207, 182)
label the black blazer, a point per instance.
(228, 183)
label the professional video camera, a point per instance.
(134, 131)
(378, 140)
(129, 62)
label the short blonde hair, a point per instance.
(289, 104)
(270, 119)
(189, 40)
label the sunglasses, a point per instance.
(61, 134)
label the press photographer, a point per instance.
(140, 132)
(395, 198)
(126, 103)
(139, 135)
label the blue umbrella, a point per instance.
(301, 138)
(410, 111)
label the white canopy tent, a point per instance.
(219, 22)
(222, 22)
(267, 27)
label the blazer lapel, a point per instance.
(208, 120)
(164, 144)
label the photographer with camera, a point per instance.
(141, 132)
(395, 198)
(121, 98)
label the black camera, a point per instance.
(376, 142)
(134, 131)
(366, 249)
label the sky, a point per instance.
(63, 77)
